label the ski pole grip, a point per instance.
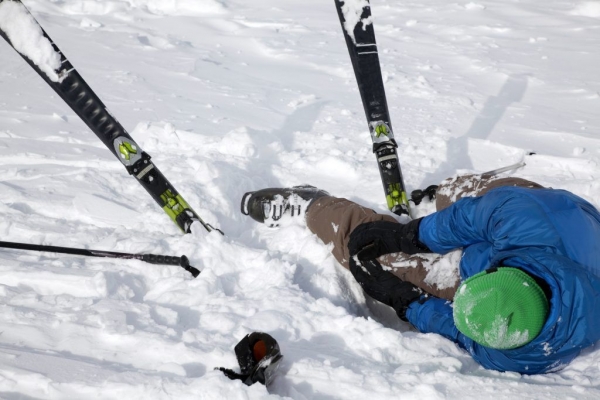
(162, 260)
(185, 264)
(182, 261)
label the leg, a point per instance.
(333, 219)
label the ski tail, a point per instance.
(508, 168)
(357, 26)
(74, 90)
(497, 171)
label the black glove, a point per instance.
(384, 286)
(373, 239)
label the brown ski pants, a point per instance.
(333, 219)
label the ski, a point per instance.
(512, 167)
(494, 172)
(357, 25)
(24, 34)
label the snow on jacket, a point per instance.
(551, 234)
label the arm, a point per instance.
(435, 316)
(454, 227)
(507, 218)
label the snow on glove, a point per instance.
(373, 239)
(384, 286)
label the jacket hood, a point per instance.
(573, 321)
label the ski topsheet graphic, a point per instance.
(357, 25)
(20, 29)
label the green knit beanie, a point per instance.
(502, 308)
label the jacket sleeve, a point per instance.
(454, 227)
(435, 316)
(505, 218)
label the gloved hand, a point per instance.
(384, 286)
(373, 239)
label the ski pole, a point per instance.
(182, 261)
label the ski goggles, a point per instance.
(258, 355)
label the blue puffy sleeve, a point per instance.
(454, 227)
(435, 316)
(507, 218)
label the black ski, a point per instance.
(362, 47)
(71, 87)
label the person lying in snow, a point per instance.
(528, 296)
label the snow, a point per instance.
(230, 96)
(27, 37)
(499, 338)
(352, 11)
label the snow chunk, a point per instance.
(156, 7)
(498, 337)
(87, 23)
(302, 100)
(180, 7)
(27, 38)
(352, 10)
(474, 6)
(442, 270)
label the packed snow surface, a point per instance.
(230, 96)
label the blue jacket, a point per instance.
(551, 234)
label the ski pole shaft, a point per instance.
(182, 261)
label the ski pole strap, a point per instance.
(231, 374)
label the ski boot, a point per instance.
(267, 206)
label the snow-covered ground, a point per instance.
(229, 96)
